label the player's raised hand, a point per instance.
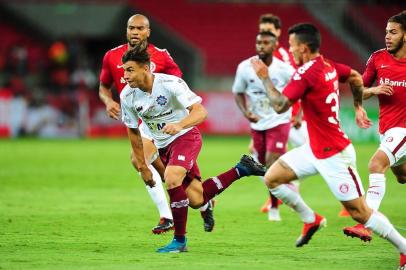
(253, 118)
(260, 68)
(146, 175)
(172, 128)
(361, 118)
(383, 89)
(113, 109)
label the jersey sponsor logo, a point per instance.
(181, 157)
(344, 188)
(331, 75)
(157, 116)
(302, 70)
(138, 109)
(392, 83)
(152, 67)
(161, 100)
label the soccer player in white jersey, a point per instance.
(388, 68)
(329, 151)
(269, 130)
(171, 111)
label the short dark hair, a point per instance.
(399, 18)
(138, 54)
(270, 18)
(267, 33)
(308, 34)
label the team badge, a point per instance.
(389, 139)
(344, 188)
(161, 100)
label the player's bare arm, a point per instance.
(241, 103)
(357, 88)
(106, 96)
(279, 102)
(138, 156)
(197, 114)
(383, 89)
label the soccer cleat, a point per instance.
(173, 247)
(208, 218)
(248, 166)
(359, 231)
(309, 229)
(273, 214)
(343, 213)
(164, 225)
(402, 262)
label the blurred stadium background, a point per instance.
(51, 54)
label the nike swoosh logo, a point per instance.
(383, 66)
(119, 66)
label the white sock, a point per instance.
(376, 190)
(204, 207)
(158, 195)
(294, 200)
(382, 226)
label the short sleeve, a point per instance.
(240, 84)
(128, 116)
(369, 74)
(184, 95)
(343, 72)
(171, 68)
(106, 77)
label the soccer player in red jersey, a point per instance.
(329, 151)
(388, 68)
(171, 111)
(112, 73)
(298, 132)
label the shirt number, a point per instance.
(334, 108)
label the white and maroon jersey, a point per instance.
(386, 69)
(316, 84)
(112, 69)
(168, 102)
(247, 82)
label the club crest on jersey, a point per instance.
(389, 139)
(161, 100)
(344, 188)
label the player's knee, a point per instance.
(272, 182)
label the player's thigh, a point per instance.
(195, 193)
(174, 176)
(340, 174)
(150, 150)
(258, 142)
(393, 143)
(276, 140)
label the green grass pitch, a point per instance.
(78, 204)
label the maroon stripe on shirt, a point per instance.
(399, 146)
(355, 181)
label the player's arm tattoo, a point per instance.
(357, 87)
(279, 102)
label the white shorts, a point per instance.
(298, 137)
(393, 144)
(339, 171)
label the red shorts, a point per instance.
(272, 140)
(183, 151)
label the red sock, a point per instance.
(215, 185)
(179, 207)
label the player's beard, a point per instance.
(398, 46)
(141, 45)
